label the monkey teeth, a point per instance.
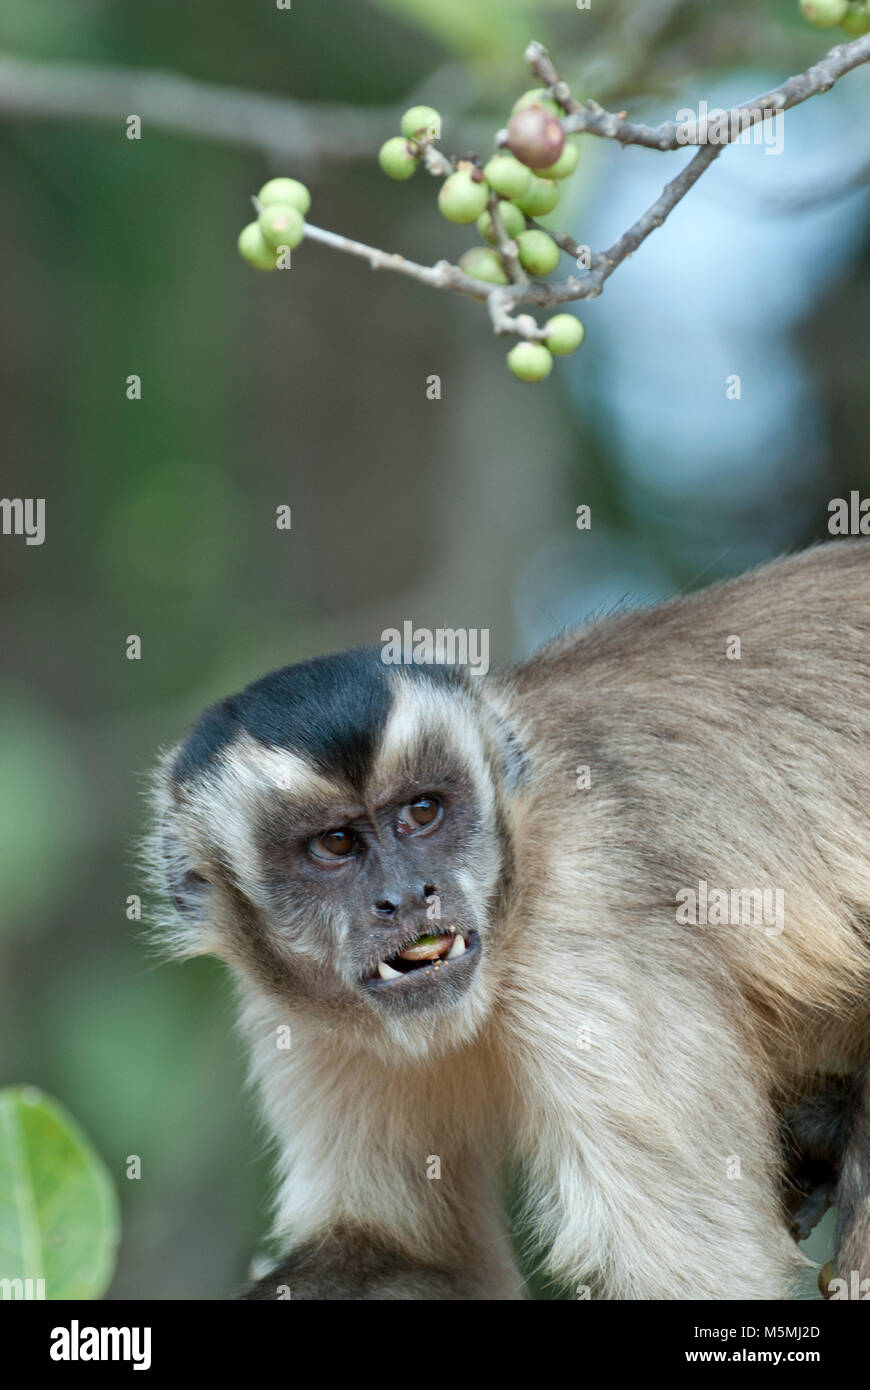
(458, 947)
(427, 952)
(426, 948)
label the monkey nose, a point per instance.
(393, 903)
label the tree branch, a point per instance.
(672, 135)
(508, 248)
(444, 276)
(819, 78)
(180, 105)
(441, 276)
(604, 264)
(307, 132)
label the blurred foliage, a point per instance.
(58, 1208)
(43, 804)
(491, 30)
(120, 258)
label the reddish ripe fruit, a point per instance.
(535, 137)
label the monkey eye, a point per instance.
(422, 814)
(334, 844)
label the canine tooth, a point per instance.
(458, 947)
(387, 972)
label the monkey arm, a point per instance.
(351, 1264)
(352, 1261)
(814, 1136)
(826, 1139)
(388, 1178)
(813, 1207)
(832, 1128)
(650, 1142)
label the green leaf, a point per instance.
(58, 1207)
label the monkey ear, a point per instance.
(189, 931)
(514, 760)
(188, 890)
(177, 875)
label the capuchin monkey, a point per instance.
(601, 920)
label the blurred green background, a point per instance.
(309, 389)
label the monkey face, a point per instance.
(385, 883)
(336, 831)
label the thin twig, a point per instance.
(673, 135)
(501, 301)
(541, 64)
(672, 193)
(565, 243)
(498, 303)
(436, 161)
(441, 276)
(508, 248)
(303, 131)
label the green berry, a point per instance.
(421, 123)
(530, 361)
(483, 264)
(564, 334)
(537, 97)
(507, 176)
(565, 164)
(281, 225)
(856, 21)
(397, 158)
(514, 221)
(254, 249)
(824, 13)
(539, 253)
(462, 197)
(541, 198)
(288, 191)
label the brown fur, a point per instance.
(632, 1065)
(351, 1264)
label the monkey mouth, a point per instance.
(427, 961)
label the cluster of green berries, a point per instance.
(853, 16)
(524, 177)
(400, 156)
(280, 224)
(533, 361)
